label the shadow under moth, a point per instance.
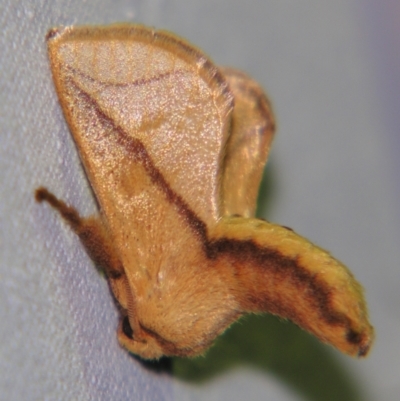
(174, 149)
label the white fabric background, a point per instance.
(331, 72)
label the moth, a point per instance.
(174, 149)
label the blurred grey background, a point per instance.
(332, 71)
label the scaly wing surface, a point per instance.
(253, 128)
(125, 87)
(280, 272)
(150, 116)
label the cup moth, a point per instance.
(174, 149)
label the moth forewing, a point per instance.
(252, 131)
(132, 91)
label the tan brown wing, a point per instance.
(253, 128)
(278, 271)
(131, 93)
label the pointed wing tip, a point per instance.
(360, 342)
(57, 32)
(355, 340)
(53, 32)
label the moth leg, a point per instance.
(91, 231)
(99, 245)
(139, 342)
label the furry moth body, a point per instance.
(174, 149)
